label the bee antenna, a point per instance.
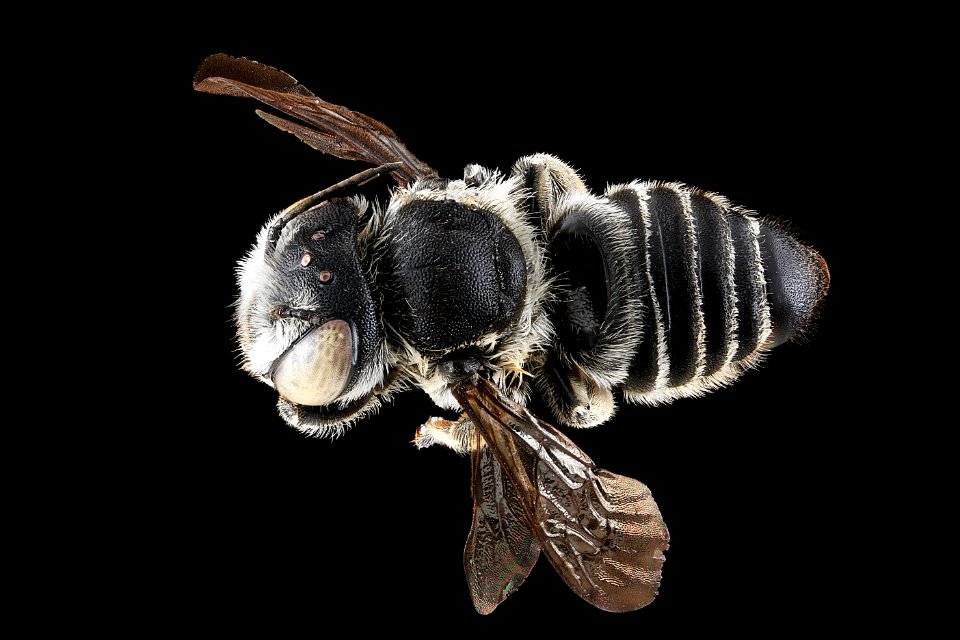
(300, 206)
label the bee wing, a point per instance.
(501, 549)
(602, 532)
(332, 129)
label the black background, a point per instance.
(754, 481)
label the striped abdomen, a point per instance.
(669, 291)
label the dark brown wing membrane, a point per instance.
(501, 549)
(332, 129)
(601, 531)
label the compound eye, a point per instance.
(316, 369)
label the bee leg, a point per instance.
(596, 304)
(454, 434)
(548, 178)
(575, 398)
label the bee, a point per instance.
(493, 290)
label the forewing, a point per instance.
(602, 532)
(607, 539)
(330, 128)
(501, 548)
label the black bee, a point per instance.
(487, 290)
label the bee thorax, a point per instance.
(453, 273)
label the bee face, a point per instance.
(306, 319)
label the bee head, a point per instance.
(307, 324)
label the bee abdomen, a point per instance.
(666, 291)
(716, 286)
